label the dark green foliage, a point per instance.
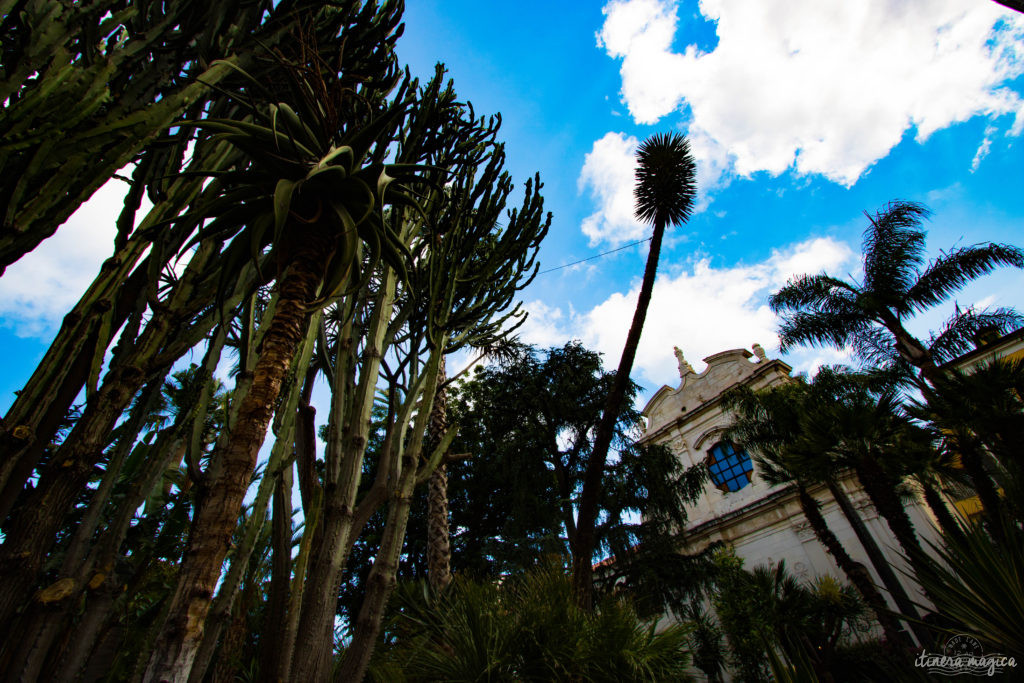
(976, 582)
(527, 427)
(765, 609)
(978, 417)
(525, 628)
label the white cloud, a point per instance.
(608, 172)
(983, 149)
(701, 309)
(39, 289)
(821, 87)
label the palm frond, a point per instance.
(976, 582)
(666, 180)
(821, 329)
(951, 271)
(958, 333)
(818, 292)
(894, 248)
(875, 347)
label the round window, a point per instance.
(730, 466)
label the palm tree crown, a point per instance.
(870, 315)
(666, 179)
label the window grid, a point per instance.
(730, 468)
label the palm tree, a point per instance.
(863, 427)
(665, 191)
(979, 419)
(870, 315)
(769, 424)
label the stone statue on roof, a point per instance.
(759, 352)
(684, 367)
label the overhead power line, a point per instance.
(591, 258)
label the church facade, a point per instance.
(763, 523)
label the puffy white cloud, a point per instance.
(700, 308)
(608, 173)
(39, 289)
(821, 87)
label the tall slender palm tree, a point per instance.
(666, 185)
(769, 423)
(870, 315)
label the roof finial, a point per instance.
(759, 352)
(684, 367)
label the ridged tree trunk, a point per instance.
(582, 561)
(382, 579)
(276, 615)
(348, 436)
(48, 394)
(855, 571)
(221, 502)
(49, 616)
(881, 490)
(938, 506)
(33, 526)
(438, 541)
(879, 561)
(379, 585)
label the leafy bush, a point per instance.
(525, 628)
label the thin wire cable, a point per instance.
(591, 258)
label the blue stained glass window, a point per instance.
(730, 467)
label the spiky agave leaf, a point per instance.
(666, 179)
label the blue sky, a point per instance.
(802, 115)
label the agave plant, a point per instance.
(976, 581)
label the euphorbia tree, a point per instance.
(467, 267)
(312, 193)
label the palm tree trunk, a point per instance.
(218, 508)
(879, 561)
(881, 490)
(983, 486)
(938, 506)
(280, 458)
(583, 572)
(438, 542)
(855, 571)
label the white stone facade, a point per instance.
(762, 523)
